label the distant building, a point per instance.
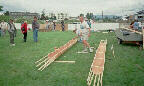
(23, 15)
(50, 15)
(73, 18)
(59, 16)
(62, 16)
(138, 16)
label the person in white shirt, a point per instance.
(85, 33)
(140, 25)
(11, 30)
(47, 25)
(3, 26)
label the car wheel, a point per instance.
(119, 41)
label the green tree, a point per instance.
(89, 16)
(5, 18)
(1, 8)
(54, 18)
(82, 14)
(43, 15)
(6, 13)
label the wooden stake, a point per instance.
(41, 59)
(95, 80)
(98, 80)
(101, 79)
(65, 61)
(42, 62)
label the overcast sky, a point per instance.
(75, 7)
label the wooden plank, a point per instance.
(81, 52)
(51, 57)
(97, 66)
(132, 30)
(64, 61)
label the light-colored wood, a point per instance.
(81, 52)
(42, 62)
(98, 80)
(95, 80)
(104, 32)
(41, 59)
(51, 57)
(101, 79)
(97, 66)
(132, 30)
(64, 61)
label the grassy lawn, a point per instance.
(17, 67)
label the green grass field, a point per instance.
(17, 67)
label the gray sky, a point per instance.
(75, 7)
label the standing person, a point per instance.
(78, 32)
(24, 30)
(140, 26)
(0, 31)
(54, 25)
(47, 25)
(35, 27)
(85, 33)
(11, 30)
(62, 25)
(89, 23)
(3, 28)
(15, 31)
(22, 23)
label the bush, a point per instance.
(29, 21)
(5, 18)
(19, 20)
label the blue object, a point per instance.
(136, 25)
(35, 35)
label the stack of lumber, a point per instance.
(51, 57)
(97, 67)
(133, 30)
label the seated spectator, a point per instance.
(136, 25)
(140, 25)
(131, 25)
(3, 26)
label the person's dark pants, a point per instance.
(11, 37)
(25, 36)
(62, 28)
(54, 27)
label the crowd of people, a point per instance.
(83, 33)
(52, 25)
(12, 30)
